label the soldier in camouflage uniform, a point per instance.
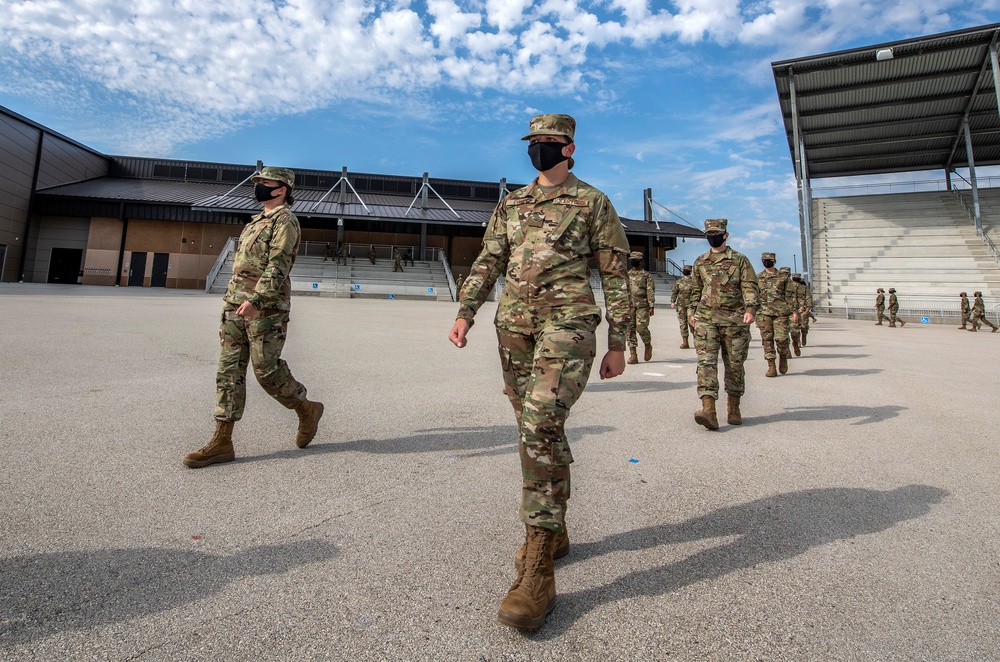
(679, 300)
(978, 317)
(408, 257)
(966, 310)
(255, 320)
(397, 260)
(342, 255)
(643, 296)
(893, 309)
(879, 306)
(793, 322)
(777, 305)
(541, 238)
(805, 301)
(371, 253)
(328, 252)
(725, 299)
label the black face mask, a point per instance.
(545, 156)
(635, 263)
(768, 263)
(716, 239)
(687, 272)
(263, 192)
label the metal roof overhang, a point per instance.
(854, 113)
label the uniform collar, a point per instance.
(568, 187)
(270, 214)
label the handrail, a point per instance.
(877, 188)
(447, 272)
(972, 217)
(219, 261)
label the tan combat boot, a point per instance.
(783, 363)
(218, 449)
(309, 414)
(533, 595)
(632, 358)
(902, 323)
(772, 371)
(795, 345)
(647, 353)
(684, 343)
(706, 415)
(974, 328)
(803, 340)
(560, 548)
(733, 403)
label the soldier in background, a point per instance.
(328, 252)
(793, 324)
(979, 314)
(879, 306)
(548, 341)
(396, 260)
(893, 309)
(966, 310)
(371, 253)
(408, 257)
(458, 284)
(342, 254)
(805, 301)
(680, 300)
(642, 291)
(777, 308)
(255, 321)
(725, 299)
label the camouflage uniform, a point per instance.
(893, 309)
(680, 298)
(342, 255)
(777, 303)
(805, 301)
(328, 252)
(879, 307)
(966, 310)
(408, 257)
(723, 288)
(396, 260)
(642, 295)
(978, 317)
(371, 254)
(541, 241)
(264, 258)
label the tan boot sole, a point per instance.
(524, 622)
(702, 419)
(215, 459)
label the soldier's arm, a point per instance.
(650, 291)
(487, 268)
(280, 256)
(749, 287)
(610, 248)
(790, 298)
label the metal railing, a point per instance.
(447, 272)
(219, 262)
(883, 188)
(667, 266)
(936, 310)
(972, 217)
(360, 251)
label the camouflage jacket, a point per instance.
(880, 301)
(965, 306)
(979, 307)
(542, 243)
(642, 288)
(264, 258)
(804, 296)
(723, 287)
(778, 297)
(680, 295)
(893, 301)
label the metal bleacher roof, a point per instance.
(894, 107)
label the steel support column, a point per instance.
(972, 177)
(801, 176)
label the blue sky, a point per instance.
(676, 96)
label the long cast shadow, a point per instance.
(770, 530)
(866, 415)
(839, 372)
(838, 356)
(640, 387)
(466, 442)
(43, 594)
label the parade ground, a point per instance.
(853, 515)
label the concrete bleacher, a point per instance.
(359, 279)
(920, 243)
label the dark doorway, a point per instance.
(3, 256)
(159, 277)
(64, 265)
(137, 269)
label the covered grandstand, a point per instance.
(911, 106)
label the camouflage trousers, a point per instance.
(734, 343)
(880, 314)
(682, 320)
(258, 342)
(638, 322)
(774, 331)
(544, 374)
(892, 316)
(965, 319)
(978, 320)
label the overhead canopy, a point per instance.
(894, 107)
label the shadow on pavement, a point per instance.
(43, 594)
(838, 372)
(838, 356)
(770, 530)
(829, 413)
(639, 387)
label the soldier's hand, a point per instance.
(613, 364)
(691, 320)
(673, 305)
(795, 317)
(458, 332)
(748, 317)
(247, 310)
(650, 311)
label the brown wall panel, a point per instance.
(464, 251)
(105, 234)
(153, 236)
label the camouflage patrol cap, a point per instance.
(977, 294)
(716, 224)
(785, 270)
(880, 290)
(768, 256)
(635, 255)
(891, 290)
(551, 125)
(962, 294)
(796, 275)
(283, 175)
